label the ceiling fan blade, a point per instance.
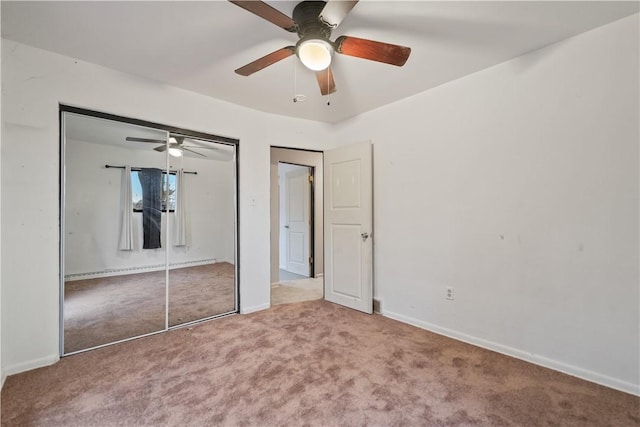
(161, 148)
(267, 12)
(373, 50)
(335, 11)
(200, 147)
(134, 139)
(266, 60)
(325, 81)
(191, 151)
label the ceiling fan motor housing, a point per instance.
(307, 17)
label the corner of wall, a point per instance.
(31, 364)
(2, 375)
(249, 310)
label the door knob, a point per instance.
(364, 236)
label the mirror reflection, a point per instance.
(201, 256)
(145, 247)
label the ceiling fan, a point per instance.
(314, 21)
(176, 145)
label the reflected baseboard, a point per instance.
(135, 270)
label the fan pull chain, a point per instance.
(296, 96)
(295, 80)
(328, 87)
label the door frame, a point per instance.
(314, 160)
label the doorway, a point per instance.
(296, 225)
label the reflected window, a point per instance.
(168, 191)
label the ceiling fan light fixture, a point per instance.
(175, 152)
(315, 54)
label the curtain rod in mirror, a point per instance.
(139, 169)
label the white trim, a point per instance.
(248, 310)
(377, 305)
(536, 359)
(319, 275)
(130, 270)
(4, 377)
(29, 365)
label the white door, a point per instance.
(298, 221)
(348, 247)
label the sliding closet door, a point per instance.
(202, 273)
(114, 231)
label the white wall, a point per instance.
(93, 208)
(2, 374)
(34, 82)
(519, 188)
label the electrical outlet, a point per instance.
(449, 294)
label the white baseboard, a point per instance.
(556, 365)
(134, 270)
(30, 364)
(319, 275)
(4, 377)
(247, 310)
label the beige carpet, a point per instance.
(104, 310)
(307, 289)
(312, 363)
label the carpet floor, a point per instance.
(109, 309)
(312, 363)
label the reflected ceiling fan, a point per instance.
(176, 145)
(314, 21)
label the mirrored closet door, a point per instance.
(201, 257)
(148, 235)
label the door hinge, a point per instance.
(311, 178)
(310, 260)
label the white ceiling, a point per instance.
(108, 132)
(197, 45)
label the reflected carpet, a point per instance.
(108, 309)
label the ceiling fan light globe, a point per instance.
(315, 54)
(175, 152)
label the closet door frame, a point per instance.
(63, 109)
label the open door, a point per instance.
(298, 221)
(348, 195)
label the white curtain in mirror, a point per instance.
(126, 214)
(180, 224)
